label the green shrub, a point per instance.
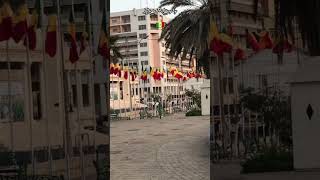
(194, 112)
(270, 160)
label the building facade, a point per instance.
(139, 44)
(35, 91)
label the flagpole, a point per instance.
(79, 104)
(44, 67)
(64, 99)
(28, 71)
(9, 98)
(92, 76)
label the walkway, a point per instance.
(231, 171)
(174, 148)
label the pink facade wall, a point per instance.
(154, 50)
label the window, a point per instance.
(114, 21)
(145, 53)
(154, 17)
(142, 27)
(85, 88)
(74, 95)
(230, 85)
(143, 36)
(126, 28)
(121, 90)
(85, 95)
(36, 91)
(74, 89)
(141, 18)
(143, 44)
(114, 90)
(154, 27)
(144, 62)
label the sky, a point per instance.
(123, 5)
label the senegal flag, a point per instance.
(20, 23)
(111, 68)
(265, 41)
(144, 75)
(239, 55)
(226, 42)
(251, 39)
(35, 22)
(151, 71)
(51, 38)
(85, 34)
(213, 32)
(5, 22)
(73, 52)
(103, 42)
(125, 75)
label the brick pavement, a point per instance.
(173, 148)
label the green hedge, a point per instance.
(194, 112)
(271, 160)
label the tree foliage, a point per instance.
(115, 54)
(273, 108)
(195, 96)
(188, 32)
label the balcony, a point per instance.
(125, 19)
(154, 17)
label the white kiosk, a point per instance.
(205, 98)
(305, 106)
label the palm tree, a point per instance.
(188, 33)
(115, 54)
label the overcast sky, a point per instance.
(123, 5)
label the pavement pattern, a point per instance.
(172, 148)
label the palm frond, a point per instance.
(177, 3)
(115, 54)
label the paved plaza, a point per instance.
(173, 148)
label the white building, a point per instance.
(32, 111)
(305, 109)
(262, 71)
(139, 43)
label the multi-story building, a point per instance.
(139, 43)
(34, 122)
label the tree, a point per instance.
(115, 54)
(188, 33)
(195, 96)
(273, 109)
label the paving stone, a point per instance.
(162, 153)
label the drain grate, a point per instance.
(133, 130)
